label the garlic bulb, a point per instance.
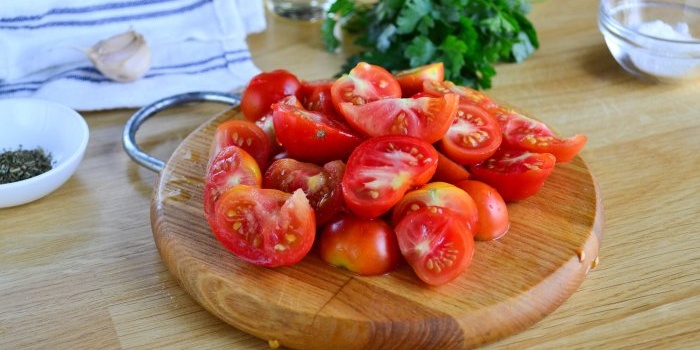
(124, 57)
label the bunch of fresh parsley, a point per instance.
(468, 36)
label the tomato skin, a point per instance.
(437, 244)
(473, 136)
(381, 170)
(438, 194)
(525, 133)
(449, 171)
(515, 174)
(265, 89)
(230, 167)
(321, 185)
(246, 135)
(427, 118)
(312, 136)
(265, 227)
(493, 220)
(411, 80)
(364, 246)
(316, 96)
(364, 83)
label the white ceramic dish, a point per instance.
(33, 123)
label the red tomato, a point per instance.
(436, 243)
(264, 226)
(449, 171)
(363, 246)
(316, 97)
(466, 95)
(265, 89)
(493, 220)
(312, 136)
(381, 170)
(426, 118)
(321, 185)
(411, 80)
(522, 132)
(515, 174)
(473, 136)
(365, 83)
(231, 167)
(246, 135)
(438, 194)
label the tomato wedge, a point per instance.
(265, 227)
(515, 174)
(466, 95)
(316, 97)
(231, 167)
(381, 170)
(427, 118)
(411, 80)
(312, 136)
(246, 135)
(525, 133)
(438, 194)
(436, 243)
(449, 171)
(364, 83)
(473, 136)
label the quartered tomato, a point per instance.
(449, 171)
(363, 246)
(438, 194)
(426, 118)
(436, 243)
(364, 83)
(525, 133)
(411, 80)
(312, 136)
(466, 95)
(493, 220)
(264, 226)
(381, 170)
(246, 135)
(316, 97)
(321, 184)
(231, 167)
(265, 89)
(473, 136)
(515, 174)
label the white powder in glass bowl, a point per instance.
(666, 59)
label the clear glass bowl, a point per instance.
(654, 40)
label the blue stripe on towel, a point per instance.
(84, 9)
(75, 23)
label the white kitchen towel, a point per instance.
(196, 45)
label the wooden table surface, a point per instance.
(79, 268)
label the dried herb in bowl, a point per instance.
(22, 164)
(468, 36)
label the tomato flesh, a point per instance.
(436, 243)
(493, 220)
(411, 80)
(265, 227)
(230, 167)
(473, 136)
(381, 169)
(246, 135)
(438, 194)
(364, 83)
(363, 246)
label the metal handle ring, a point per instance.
(132, 125)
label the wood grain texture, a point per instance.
(79, 269)
(553, 241)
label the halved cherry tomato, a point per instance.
(411, 80)
(449, 171)
(493, 220)
(436, 243)
(473, 136)
(265, 89)
(266, 124)
(312, 136)
(364, 83)
(525, 133)
(321, 185)
(265, 226)
(316, 97)
(438, 194)
(231, 167)
(515, 174)
(381, 170)
(246, 135)
(363, 246)
(426, 118)
(466, 95)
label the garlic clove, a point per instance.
(124, 57)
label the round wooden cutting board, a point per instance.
(512, 283)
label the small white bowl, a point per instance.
(33, 123)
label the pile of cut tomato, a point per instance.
(373, 169)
